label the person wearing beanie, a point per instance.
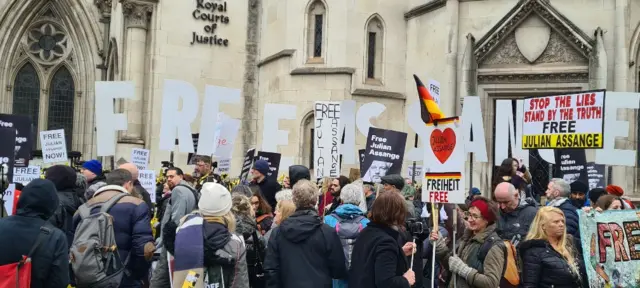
(268, 187)
(210, 234)
(617, 191)
(578, 194)
(480, 241)
(20, 232)
(594, 194)
(297, 173)
(64, 177)
(92, 171)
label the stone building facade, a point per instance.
(300, 51)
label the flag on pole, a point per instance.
(429, 110)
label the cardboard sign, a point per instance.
(54, 146)
(327, 138)
(8, 199)
(247, 163)
(140, 157)
(224, 166)
(24, 175)
(564, 121)
(417, 173)
(443, 182)
(384, 154)
(147, 179)
(274, 163)
(434, 89)
(595, 175)
(7, 152)
(23, 136)
(571, 165)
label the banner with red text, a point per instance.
(564, 121)
(443, 165)
(609, 244)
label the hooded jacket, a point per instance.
(515, 225)
(304, 252)
(131, 224)
(225, 250)
(297, 173)
(64, 178)
(50, 262)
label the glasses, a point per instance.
(472, 215)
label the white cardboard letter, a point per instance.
(416, 123)
(213, 96)
(272, 137)
(173, 119)
(348, 125)
(365, 113)
(107, 122)
(472, 114)
(613, 128)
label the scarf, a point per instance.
(189, 252)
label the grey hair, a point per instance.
(305, 194)
(119, 177)
(284, 194)
(351, 194)
(242, 190)
(563, 187)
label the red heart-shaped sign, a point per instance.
(443, 143)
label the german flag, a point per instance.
(429, 109)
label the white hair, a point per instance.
(284, 194)
(562, 186)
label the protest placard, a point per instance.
(383, 154)
(7, 152)
(24, 136)
(564, 121)
(54, 146)
(443, 182)
(326, 148)
(571, 165)
(224, 166)
(24, 175)
(8, 198)
(247, 163)
(609, 242)
(595, 175)
(417, 173)
(274, 163)
(140, 157)
(147, 179)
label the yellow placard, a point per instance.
(561, 141)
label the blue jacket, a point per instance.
(132, 227)
(570, 216)
(344, 211)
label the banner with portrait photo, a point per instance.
(443, 164)
(7, 152)
(595, 175)
(571, 165)
(564, 121)
(609, 247)
(23, 139)
(274, 163)
(327, 139)
(383, 154)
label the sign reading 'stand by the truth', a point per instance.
(564, 121)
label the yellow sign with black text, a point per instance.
(561, 141)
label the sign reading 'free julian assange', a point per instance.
(215, 14)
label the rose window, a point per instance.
(47, 42)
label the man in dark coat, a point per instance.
(50, 261)
(558, 192)
(302, 251)
(64, 177)
(268, 187)
(516, 215)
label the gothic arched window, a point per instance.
(375, 45)
(61, 103)
(316, 32)
(26, 96)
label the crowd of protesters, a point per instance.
(339, 233)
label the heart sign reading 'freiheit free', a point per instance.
(443, 143)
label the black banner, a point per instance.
(247, 163)
(571, 165)
(274, 163)
(24, 136)
(190, 158)
(383, 154)
(361, 154)
(595, 175)
(7, 153)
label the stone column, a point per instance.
(136, 17)
(450, 99)
(598, 64)
(622, 176)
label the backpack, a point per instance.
(169, 231)
(94, 253)
(348, 231)
(510, 274)
(18, 275)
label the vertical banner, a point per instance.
(383, 154)
(564, 121)
(226, 138)
(54, 146)
(444, 159)
(609, 242)
(327, 138)
(140, 157)
(195, 137)
(571, 165)
(274, 163)
(147, 179)
(24, 137)
(595, 175)
(247, 163)
(7, 152)
(24, 175)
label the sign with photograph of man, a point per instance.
(383, 154)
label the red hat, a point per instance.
(483, 206)
(614, 190)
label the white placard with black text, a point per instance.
(54, 146)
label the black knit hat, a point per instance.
(579, 187)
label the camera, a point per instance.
(415, 227)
